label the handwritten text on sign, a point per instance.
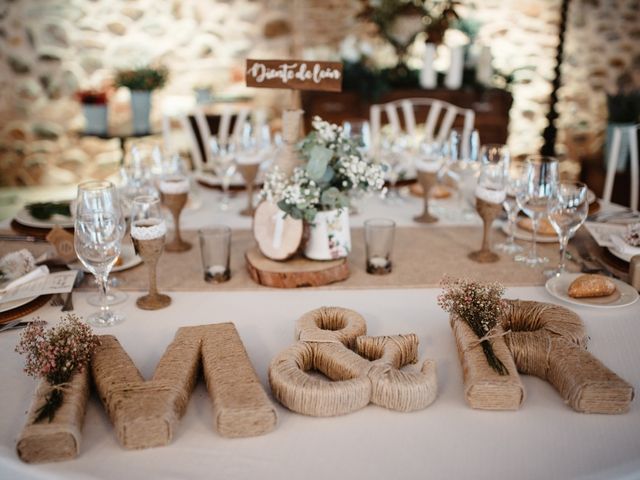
(294, 74)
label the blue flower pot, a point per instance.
(96, 120)
(141, 108)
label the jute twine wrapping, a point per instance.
(241, 407)
(484, 388)
(145, 414)
(370, 375)
(549, 341)
(545, 340)
(59, 439)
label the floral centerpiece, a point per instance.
(55, 355)
(318, 191)
(480, 305)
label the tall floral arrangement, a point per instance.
(478, 304)
(55, 355)
(332, 167)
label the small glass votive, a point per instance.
(215, 248)
(378, 241)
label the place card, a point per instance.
(294, 74)
(59, 282)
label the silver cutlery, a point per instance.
(20, 323)
(601, 267)
(57, 300)
(68, 303)
(21, 238)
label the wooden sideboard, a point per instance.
(491, 107)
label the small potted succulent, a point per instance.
(94, 106)
(142, 81)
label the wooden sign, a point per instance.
(294, 74)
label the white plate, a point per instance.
(559, 286)
(129, 260)
(526, 235)
(5, 307)
(591, 196)
(23, 217)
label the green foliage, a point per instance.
(45, 210)
(143, 78)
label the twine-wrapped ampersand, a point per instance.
(363, 369)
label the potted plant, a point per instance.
(142, 81)
(318, 190)
(624, 111)
(94, 107)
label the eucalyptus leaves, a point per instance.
(332, 168)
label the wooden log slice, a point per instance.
(294, 273)
(278, 237)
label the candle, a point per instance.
(378, 265)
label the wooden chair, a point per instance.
(440, 118)
(201, 127)
(612, 163)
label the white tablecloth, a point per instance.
(448, 440)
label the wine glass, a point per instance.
(224, 165)
(255, 147)
(174, 191)
(567, 211)
(99, 228)
(514, 182)
(537, 190)
(490, 193)
(148, 231)
(394, 154)
(427, 167)
(463, 166)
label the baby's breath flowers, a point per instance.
(56, 355)
(333, 168)
(478, 304)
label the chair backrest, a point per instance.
(440, 119)
(201, 127)
(623, 134)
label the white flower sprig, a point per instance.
(333, 168)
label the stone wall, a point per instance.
(50, 49)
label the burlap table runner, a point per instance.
(421, 257)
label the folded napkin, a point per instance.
(38, 272)
(16, 264)
(623, 247)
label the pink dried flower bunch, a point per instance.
(478, 304)
(57, 353)
(474, 302)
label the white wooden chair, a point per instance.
(230, 127)
(631, 134)
(439, 121)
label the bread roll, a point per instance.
(544, 227)
(590, 286)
